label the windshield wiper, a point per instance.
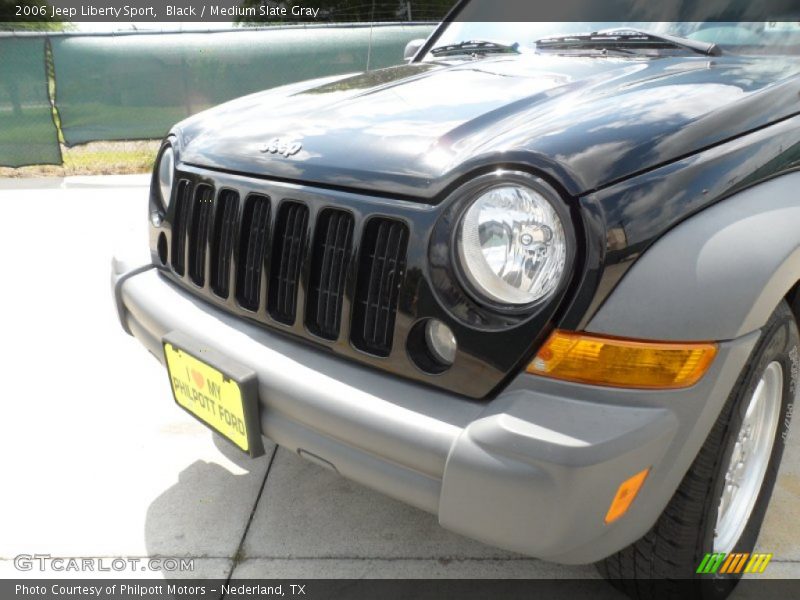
(476, 48)
(626, 38)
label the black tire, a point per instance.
(663, 563)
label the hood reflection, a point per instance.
(413, 129)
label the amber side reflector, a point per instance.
(616, 362)
(625, 494)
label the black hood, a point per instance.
(414, 129)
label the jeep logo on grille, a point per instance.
(281, 146)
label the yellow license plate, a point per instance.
(215, 398)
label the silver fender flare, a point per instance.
(716, 276)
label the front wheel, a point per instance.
(720, 504)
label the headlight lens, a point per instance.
(512, 245)
(166, 168)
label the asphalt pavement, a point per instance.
(98, 462)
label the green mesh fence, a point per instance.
(137, 86)
(28, 134)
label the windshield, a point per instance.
(776, 37)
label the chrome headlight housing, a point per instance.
(511, 245)
(165, 174)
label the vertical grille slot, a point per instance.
(222, 241)
(202, 209)
(383, 264)
(333, 242)
(252, 248)
(179, 225)
(290, 233)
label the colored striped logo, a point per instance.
(734, 562)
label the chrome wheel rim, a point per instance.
(749, 460)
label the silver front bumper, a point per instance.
(532, 470)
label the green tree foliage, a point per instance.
(354, 11)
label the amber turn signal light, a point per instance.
(625, 495)
(615, 362)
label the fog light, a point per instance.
(441, 342)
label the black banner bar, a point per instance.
(327, 11)
(382, 589)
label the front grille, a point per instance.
(353, 273)
(198, 234)
(225, 222)
(383, 263)
(183, 199)
(290, 234)
(329, 263)
(252, 248)
(286, 262)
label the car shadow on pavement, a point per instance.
(204, 515)
(281, 517)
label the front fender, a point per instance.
(716, 276)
